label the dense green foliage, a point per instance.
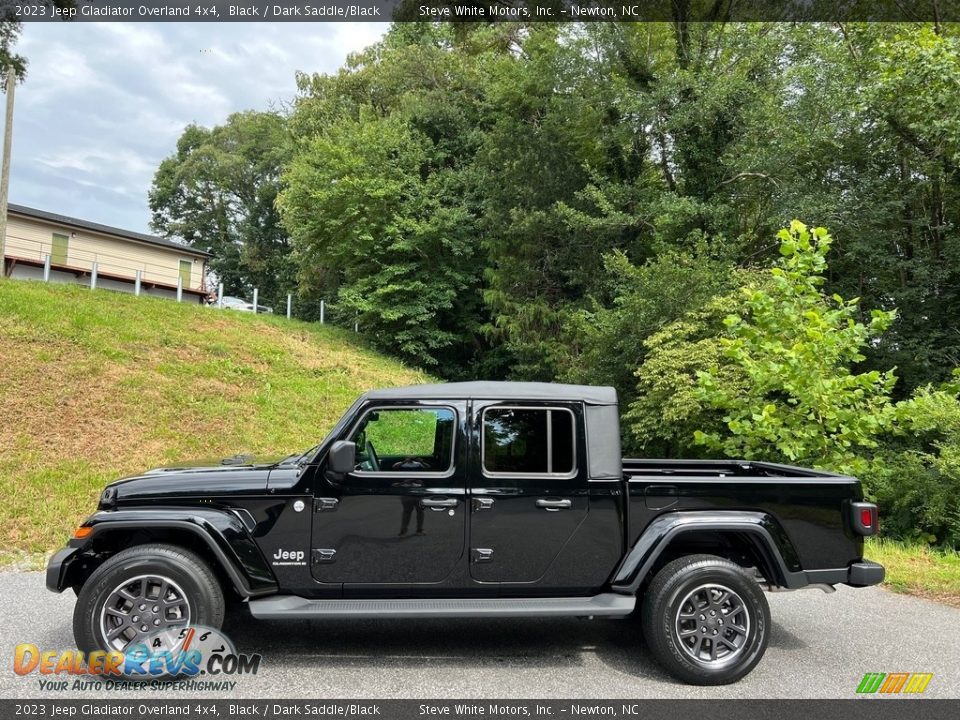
(590, 203)
(918, 484)
(377, 201)
(794, 349)
(669, 409)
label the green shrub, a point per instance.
(797, 348)
(918, 484)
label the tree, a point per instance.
(796, 347)
(606, 342)
(10, 29)
(613, 138)
(378, 197)
(218, 193)
(918, 485)
(668, 407)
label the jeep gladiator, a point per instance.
(479, 499)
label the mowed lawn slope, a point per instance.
(98, 385)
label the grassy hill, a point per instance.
(98, 385)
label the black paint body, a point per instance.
(270, 523)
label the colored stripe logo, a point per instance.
(894, 683)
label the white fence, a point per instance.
(41, 267)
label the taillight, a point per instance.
(865, 518)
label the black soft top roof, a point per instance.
(484, 390)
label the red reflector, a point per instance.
(866, 517)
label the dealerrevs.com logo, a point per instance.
(173, 657)
(894, 683)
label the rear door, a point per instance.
(529, 488)
(399, 518)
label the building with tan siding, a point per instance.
(75, 247)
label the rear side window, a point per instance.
(528, 441)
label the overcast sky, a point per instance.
(103, 104)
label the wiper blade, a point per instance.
(301, 459)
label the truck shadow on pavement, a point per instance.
(522, 643)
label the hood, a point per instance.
(237, 475)
(213, 465)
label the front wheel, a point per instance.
(142, 591)
(706, 620)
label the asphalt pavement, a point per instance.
(820, 647)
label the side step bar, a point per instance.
(279, 607)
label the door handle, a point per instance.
(438, 503)
(482, 503)
(324, 555)
(325, 504)
(553, 505)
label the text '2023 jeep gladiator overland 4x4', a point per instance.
(481, 499)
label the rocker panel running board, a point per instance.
(280, 607)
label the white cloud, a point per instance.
(104, 103)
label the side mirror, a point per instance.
(343, 457)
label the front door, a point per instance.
(400, 517)
(529, 491)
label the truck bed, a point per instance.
(807, 507)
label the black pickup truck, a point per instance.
(480, 499)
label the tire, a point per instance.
(730, 638)
(193, 595)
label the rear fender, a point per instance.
(765, 534)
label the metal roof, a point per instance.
(105, 229)
(490, 390)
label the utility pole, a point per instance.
(5, 170)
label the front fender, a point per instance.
(763, 529)
(223, 532)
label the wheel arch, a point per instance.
(218, 536)
(750, 539)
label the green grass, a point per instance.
(98, 385)
(918, 569)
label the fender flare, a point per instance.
(763, 528)
(223, 532)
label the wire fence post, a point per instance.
(136, 283)
(93, 275)
(46, 267)
(356, 322)
(289, 304)
(255, 293)
(321, 312)
(220, 296)
(180, 288)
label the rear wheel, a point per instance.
(706, 620)
(144, 590)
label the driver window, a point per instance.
(405, 440)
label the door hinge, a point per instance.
(325, 504)
(482, 555)
(323, 555)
